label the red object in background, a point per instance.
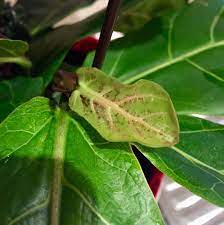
(78, 52)
(155, 180)
(86, 45)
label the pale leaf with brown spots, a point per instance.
(141, 112)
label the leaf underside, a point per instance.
(53, 171)
(142, 112)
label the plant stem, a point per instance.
(106, 32)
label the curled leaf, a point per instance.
(141, 112)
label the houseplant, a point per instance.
(62, 164)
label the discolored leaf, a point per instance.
(12, 51)
(142, 112)
(53, 171)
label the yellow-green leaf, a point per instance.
(141, 112)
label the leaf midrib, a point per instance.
(197, 161)
(59, 152)
(169, 62)
(202, 130)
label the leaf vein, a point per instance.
(171, 26)
(29, 140)
(116, 63)
(203, 130)
(30, 211)
(214, 24)
(192, 159)
(136, 97)
(168, 63)
(81, 195)
(204, 70)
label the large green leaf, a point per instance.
(197, 162)
(183, 52)
(12, 51)
(42, 14)
(16, 91)
(141, 112)
(52, 169)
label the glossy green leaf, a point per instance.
(142, 112)
(54, 172)
(12, 51)
(197, 162)
(42, 14)
(136, 13)
(16, 91)
(183, 52)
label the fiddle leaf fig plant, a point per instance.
(71, 129)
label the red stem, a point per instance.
(106, 32)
